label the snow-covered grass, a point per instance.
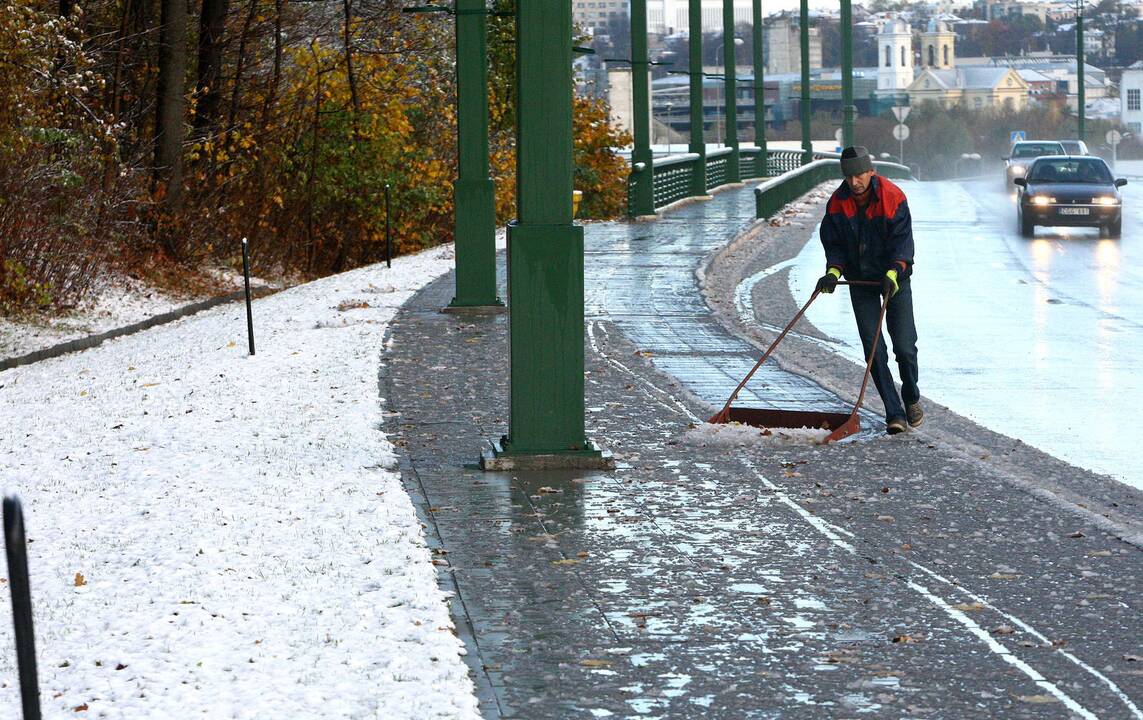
(739, 435)
(218, 535)
(116, 302)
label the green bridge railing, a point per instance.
(672, 179)
(770, 196)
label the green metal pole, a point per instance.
(848, 109)
(698, 135)
(804, 32)
(473, 191)
(730, 91)
(545, 249)
(1080, 89)
(643, 182)
(759, 93)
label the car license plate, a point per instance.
(1075, 211)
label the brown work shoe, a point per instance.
(896, 425)
(915, 413)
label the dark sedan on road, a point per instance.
(1072, 191)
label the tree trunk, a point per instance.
(170, 106)
(212, 25)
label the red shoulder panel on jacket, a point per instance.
(891, 197)
(846, 206)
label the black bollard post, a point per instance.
(388, 232)
(249, 312)
(15, 544)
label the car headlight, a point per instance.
(1017, 169)
(1107, 200)
(1042, 200)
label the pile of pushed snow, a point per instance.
(218, 535)
(738, 435)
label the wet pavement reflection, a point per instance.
(759, 582)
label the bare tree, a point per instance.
(169, 108)
(208, 88)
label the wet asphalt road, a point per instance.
(912, 576)
(1039, 339)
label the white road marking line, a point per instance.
(1004, 653)
(833, 533)
(1038, 635)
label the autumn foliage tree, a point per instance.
(158, 134)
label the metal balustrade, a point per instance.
(672, 181)
(672, 177)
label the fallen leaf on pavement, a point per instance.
(969, 607)
(595, 663)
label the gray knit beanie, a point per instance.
(855, 160)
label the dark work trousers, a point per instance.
(866, 302)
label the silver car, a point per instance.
(1075, 147)
(1023, 153)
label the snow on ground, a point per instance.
(738, 435)
(218, 535)
(114, 304)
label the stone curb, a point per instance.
(86, 343)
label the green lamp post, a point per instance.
(848, 108)
(642, 162)
(697, 80)
(474, 208)
(759, 92)
(730, 91)
(804, 36)
(545, 259)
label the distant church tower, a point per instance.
(894, 57)
(937, 46)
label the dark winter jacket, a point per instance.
(865, 248)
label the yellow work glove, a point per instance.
(889, 286)
(828, 282)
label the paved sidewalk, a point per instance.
(899, 577)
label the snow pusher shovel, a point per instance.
(840, 424)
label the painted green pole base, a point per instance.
(497, 459)
(475, 247)
(546, 339)
(454, 309)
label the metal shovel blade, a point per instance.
(768, 418)
(851, 426)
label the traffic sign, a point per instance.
(1016, 136)
(901, 112)
(1113, 137)
(901, 132)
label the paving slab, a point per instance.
(889, 576)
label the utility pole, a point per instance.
(698, 136)
(730, 60)
(1080, 89)
(643, 180)
(804, 32)
(848, 109)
